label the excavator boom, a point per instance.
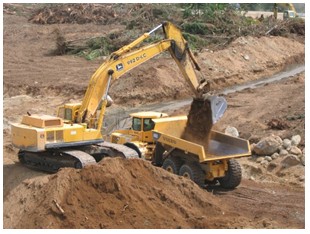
(128, 58)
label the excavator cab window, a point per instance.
(136, 124)
(68, 114)
(65, 113)
(148, 125)
(291, 14)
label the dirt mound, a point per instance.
(117, 193)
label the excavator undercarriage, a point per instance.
(78, 157)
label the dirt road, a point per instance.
(134, 194)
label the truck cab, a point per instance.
(139, 136)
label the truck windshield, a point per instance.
(136, 124)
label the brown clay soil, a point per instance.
(200, 112)
(120, 193)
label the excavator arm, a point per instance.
(128, 58)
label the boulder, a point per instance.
(296, 140)
(283, 152)
(264, 163)
(290, 160)
(295, 150)
(268, 158)
(268, 145)
(259, 159)
(302, 159)
(231, 131)
(271, 166)
(286, 143)
(275, 155)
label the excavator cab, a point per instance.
(288, 15)
(68, 112)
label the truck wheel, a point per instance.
(172, 164)
(233, 176)
(194, 172)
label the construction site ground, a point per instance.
(121, 193)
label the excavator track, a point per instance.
(119, 150)
(52, 160)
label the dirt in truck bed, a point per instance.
(121, 193)
(199, 122)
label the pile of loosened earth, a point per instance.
(117, 193)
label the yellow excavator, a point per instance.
(73, 138)
(289, 11)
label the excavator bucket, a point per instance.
(218, 107)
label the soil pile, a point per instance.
(199, 124)
(117, 193)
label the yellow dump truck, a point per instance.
(162, 143)
(203, 164)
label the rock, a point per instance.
(264, 163)
(302, 159)
(295, 150)
(252, 147)
(283, 152)
(259, 159)
(252, 178)
(231, 131)
(266, 223)
(268, 145)
(275, 155)
(301, 178)
(286, 143)
(254, 139)
(268, 158)
(290, 160)
(296, 140)
(271, 166)
(257, 69)
(246, 57)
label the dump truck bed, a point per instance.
(168, 131)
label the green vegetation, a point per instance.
(212, 25)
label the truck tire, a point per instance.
(172, 164)
(233, 175)
(194, 172)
